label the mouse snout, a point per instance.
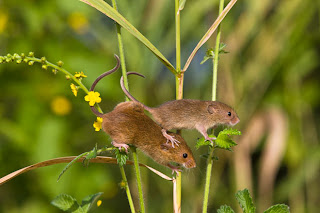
(234, 121)
(190, 164)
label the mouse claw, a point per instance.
(120, 145)
(174, 169)
(170, 138)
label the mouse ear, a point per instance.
(212, 109)
(166, 146)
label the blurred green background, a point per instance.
(270, 76)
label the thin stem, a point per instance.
(121, 52)
(214, 97)
(179, 95)
(124, 178)
(125, 80)
(208, 178)
(136, 167)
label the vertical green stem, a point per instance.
(179, 95)
(124, 178)
(208, 178)
(134, 153)
(214, 97)
(121, 52)
(137, 169)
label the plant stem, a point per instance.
(137, 169)
(121, 52)
(216, 57)
(125, 79)
(208, 177)
(179, 95)
(214, 97)
(124, 179)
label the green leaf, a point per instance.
(181, 4)
(66, 203)
(92, 154)
(245, 201)
(203, 142)
(89, 200)
(224, 142)
(279, 208)
(209, 54)
(229, 131)
(121, 157)
(225, 209)
(208, 34)
(70, 164)
(116, 16)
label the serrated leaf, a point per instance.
(225, 209)
(66, 203)
(121, 157)
(224, 142)
(245, 201)
(229, 131)
(279, 208)
(89, 200)
(203, 142)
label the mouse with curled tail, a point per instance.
(128, 124)
(188, 114)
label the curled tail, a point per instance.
(127, 92)
(93, 109)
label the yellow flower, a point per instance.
(97, 124)
(3, 21)
(78, 22)
(92, 98)
(74, 89)
(99, 203)
(79, 75)
(60, 105)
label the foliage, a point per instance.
(246, 203)
(223, 140)
(273, 63)
(69, 204)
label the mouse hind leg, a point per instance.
(120, 145)
(170, 138)
(203, 131)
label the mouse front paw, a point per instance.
(174, 169)
(120, 145)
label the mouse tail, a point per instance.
(93, 109)
(106, 73)
(127, 92)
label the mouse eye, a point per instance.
(185, 155)
(229, 113)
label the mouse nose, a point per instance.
(190, 164)
(234, 121)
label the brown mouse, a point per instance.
(128, 124)
(189, 114)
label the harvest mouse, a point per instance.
(128, 124)
(188, 114)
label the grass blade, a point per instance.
(208, 34)
(117, 17)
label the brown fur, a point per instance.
(128, 124)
